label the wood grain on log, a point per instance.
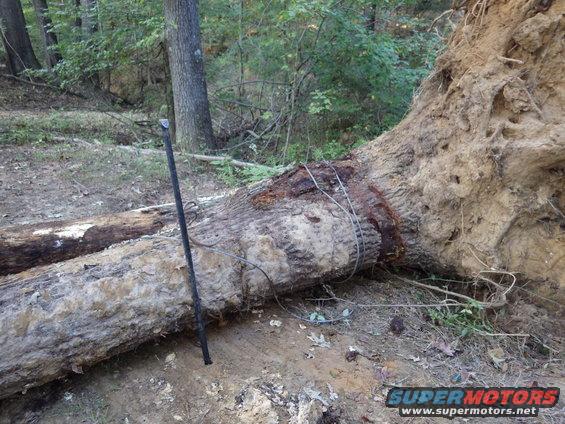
(26, 246)
(58, 318)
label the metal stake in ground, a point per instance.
(185, 242)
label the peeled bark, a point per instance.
(15, 38)
(471, 180)
(25, 246)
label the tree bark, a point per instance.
(78, 18)
(186, 58)
(48, 36)
(89, 18)
(170, 95)
(15, 38)
(89, 26)
(26, 246)
(471, 181)
(58, 318)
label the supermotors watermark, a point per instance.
(453, 402)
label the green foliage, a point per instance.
(128, 32)
(465, 320)
(329, 151)
(227, 172)
(234, 176)
(40, 128)
(24, 135)
(317, 69)
(351, 75)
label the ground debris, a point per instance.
(319, 341)
(306, 411)
(397, 325)
(257, 408)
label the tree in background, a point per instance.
(19, 51)
(89, 26)
(48, 36)
(287, 81)
(88, 20)
(186, 59)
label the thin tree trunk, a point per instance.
(169, 94)
(78, 18)
(89, 18)
(186, 58)
(48, 36)
(89, 26)
(370, 17)
(15, 38)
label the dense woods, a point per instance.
(20, 56)
(287, 80)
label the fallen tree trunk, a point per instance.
(471, 180)
(57, 318)
(26, 246)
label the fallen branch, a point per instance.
(195, 156)
(43, 85)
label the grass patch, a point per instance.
(24, 128)
(233, 176)
(465, 320)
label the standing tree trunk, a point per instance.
(170, 95)
(78, 18)
(15, 38)
(370, 17)
(192, 109)
(89, 26)
(470, 182)
(89, 18)
(48, 36)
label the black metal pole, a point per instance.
(185, 242)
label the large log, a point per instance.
(58, 318)
(472, 179)
(26, 246)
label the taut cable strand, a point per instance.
(354, 225)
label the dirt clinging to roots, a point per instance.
(482, 153)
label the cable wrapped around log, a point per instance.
(58, 318)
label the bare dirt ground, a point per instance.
(268, 366)
(57, 181)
